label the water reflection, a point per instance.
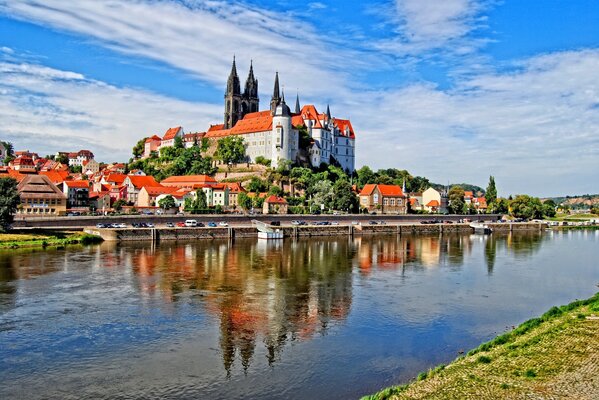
(260, 297)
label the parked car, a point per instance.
(383, 223)
(355, 223)
(212, 224)
(181, 224)
(100, 226)
(149, 224)
(275, 223)
(115, 225)
(372, 223)
(334, 223)
(223, 223)
(122, 225)
(295, 222)
(191, 223)
(170, 225)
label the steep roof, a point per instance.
(391, 190)
(195, 179)
(433, 203)
(234, 187)
(153, 138)
(343, 125)
(116, 178)
(217, 127)
(142, 181)
(39, 186)
(367, 189)
(272, 199)
(171, 133)
(56, 176)
(77, 184)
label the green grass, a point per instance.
(553, 344)
(45, 238)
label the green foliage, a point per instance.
(530, 373)
(205, 145)
(9, 201)
(323, 194)
(230, 149)
(262, 161)
(198, 204)
(244, 201)
(275, 190)
(484, 360)
(178, 143)
(257, 185)
(118, 205)
(62, 158)
(258, 202)
(365, 176)
(527, 207)
(10, 152)
(344, 197)
(75, 169)
(491, 193)
(138, 149)
(304, 137)
(456, 200)
(167, 202)
(595, 209)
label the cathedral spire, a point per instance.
(276, 95)
(297, 104)
(233, 86)
(328, 113)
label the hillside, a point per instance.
(577, 202)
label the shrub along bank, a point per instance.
(45, 238)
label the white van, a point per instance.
(191, 222)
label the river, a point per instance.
(332, 318)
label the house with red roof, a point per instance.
(77, 159)
(148, 194)
(188, 181)
(384, 199)
(152, 144)
(480, 203)
(169, 136)
(134, 184)
(99, 201)
(77, 193)
(179, 195)
(24, 164)
(275, 205)
(434, 201)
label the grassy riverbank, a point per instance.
(44, 238)
(553, 356)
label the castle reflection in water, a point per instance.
(273, 293)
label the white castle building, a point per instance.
(274, 133)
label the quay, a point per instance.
(246, 231)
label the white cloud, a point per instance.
(6, 50)
(47, 110)
(536, 127)
(201, 37)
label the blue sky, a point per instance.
(454, 90)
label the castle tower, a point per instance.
(276, 96)
(281, 133)
(250, 101)
(297, 104)
(233, 98)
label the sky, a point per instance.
(454, 90)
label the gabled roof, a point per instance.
(367, 189)
(171, 133)
(116, 178)
(142, 181)
(39, 186)
(218, 127)
(433, 203)
(77, 184)
(272, 199)
(468, 194)
(195, 179)
(342, 125)
(56, 176)
(153, 138)
(158, 190)
(234, 187)
(391, 190)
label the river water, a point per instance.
(305, 319)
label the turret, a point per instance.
(281, 134)
(232, 98)
(276, 97)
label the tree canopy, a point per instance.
(230, 149)
(9, 201)
(167, 202)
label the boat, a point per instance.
(266, 231)
(480, 228)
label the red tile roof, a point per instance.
(272, 199)
(171, 133)
(195, 179)
(468, 194)
(235, 187)
(391, 190)
(367, 189)
(433, 203)
(153, 138)
(116, 178)
(158, 190)
(143, 181)
(56, 176)
(218, 127)
(77, 184)
(342, 125)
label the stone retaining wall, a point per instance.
(156, 234)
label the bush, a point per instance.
(262, 161)
(484, 360)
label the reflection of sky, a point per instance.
(132, 319)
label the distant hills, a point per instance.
(577, 202)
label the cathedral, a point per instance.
(274, 133)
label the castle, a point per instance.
(274, 133)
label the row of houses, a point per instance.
(391, 199)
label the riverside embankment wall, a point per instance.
(158, 234)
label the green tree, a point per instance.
(62, 158)
(257, 185)
(491, 193)
(524, 206)
(365, 176)
(323, 194)
(344, 197)
(10, 152)
(456, 200)
(262, 161)
(178, 143)
(138, 149)
(167, 202)
(275, 190)
(9, 201)
(244, 201)
(549, 207)
(258, 202)
(118, 205)
(230, 149)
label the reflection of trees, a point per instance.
(491, 252)
(524, 244)
(279, 292)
